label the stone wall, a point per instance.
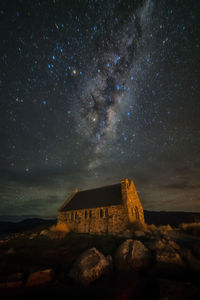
(111, 219)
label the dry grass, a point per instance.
(150, 229)
(165, 228)
(191, 228)
(155, 230)
(137, 226)
(58, 231)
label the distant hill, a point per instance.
(19, 218)
(174, 218)
(28, 224)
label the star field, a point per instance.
(95, 91)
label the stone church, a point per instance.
(109, 209)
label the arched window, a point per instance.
(72, 216)
(90, 214)
(101, 213)
(137, 213)
(76, 215)
(106, 212)
(86, 214)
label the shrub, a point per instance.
(164, 228)
(191, 228)
(151, 227)
(158, 230)
(58, 231)
(135, 226)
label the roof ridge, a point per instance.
(104, 186)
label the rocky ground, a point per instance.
(155, 263)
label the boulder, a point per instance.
(11, 251)
(90, 266)
(109, 259)
(132, 255)
(32, 236)
(12, 281)
(193, 262)
(44, 232)
(11, 284)
(169, 260)
(196, 249)
(42, 277)
(165, 244)
(167, 255)
(4, 241)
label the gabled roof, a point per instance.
(103, 196)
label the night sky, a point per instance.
(95, 91)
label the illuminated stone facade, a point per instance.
(109, 209)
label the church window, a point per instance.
(86, 214)
(137, 213)
(90, 214)
(76, 215)
(101, 213)
(132, 211)
(106, 212)
(72, 216)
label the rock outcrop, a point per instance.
(192, 262)
(11, 281)
(196, 249)
(42, 277)
(90, 266)
(44, 232)
(132, 255)
(11, 251)
(167, 255)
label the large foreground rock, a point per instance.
(14, 280)
(192, 261)
(44, 232)
(10, 251)
(132, 255)
(40, 278)
(167, 255)
(196, 249)
(91, 265)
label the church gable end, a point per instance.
(132, 202)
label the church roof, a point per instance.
(103, 196)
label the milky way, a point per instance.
(94, 91)
(115, 64)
